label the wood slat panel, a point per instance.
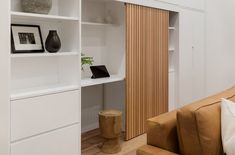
(146, 66)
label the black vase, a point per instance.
(53, 43)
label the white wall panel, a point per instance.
(220, 41)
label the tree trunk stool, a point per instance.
(110, 122)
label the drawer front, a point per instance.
(33, 116)
(60, 142)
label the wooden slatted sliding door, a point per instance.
(146, 66)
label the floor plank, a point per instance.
(128, 147)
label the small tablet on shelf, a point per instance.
(99, 72)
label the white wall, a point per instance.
(220, 40)
(4, 78)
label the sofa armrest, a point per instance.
(162, 132)
(151, 150)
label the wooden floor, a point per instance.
(92, 141)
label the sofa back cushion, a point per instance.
(198, 126)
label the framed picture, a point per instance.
(26, 39)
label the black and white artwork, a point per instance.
(26, 39)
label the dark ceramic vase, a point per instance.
(53, 43)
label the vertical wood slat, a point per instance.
(146, 66)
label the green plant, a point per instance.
(85, 60)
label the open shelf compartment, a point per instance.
(33, 76)
(68, 32)
(60, 9)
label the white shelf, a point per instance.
(96, 24)
(91, 82)
(171, 49)
(171, 28)
(39, 91)
(42, 17)
(26, 55)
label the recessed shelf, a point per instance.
(171, 28)
(96, 24)
(44, 54)
(39, 91)
(91, 82)
(42, 17)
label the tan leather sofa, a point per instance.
(191, 130)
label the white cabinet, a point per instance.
(105, 42)
(61, 142)
(44, 109)
(41, 114)
(191, 57)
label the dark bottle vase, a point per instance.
(53, 43)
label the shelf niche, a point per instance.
(105, 44)
(30, 75)
(173, 59)
(68, 32)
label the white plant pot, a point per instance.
(86, 72)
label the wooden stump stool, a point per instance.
(111, 126)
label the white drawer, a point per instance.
(33, 116)
(60, 142)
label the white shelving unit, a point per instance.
(45, 86)
(41, 92)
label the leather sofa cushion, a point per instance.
(151, 150)
(198, 126)
(162, 132)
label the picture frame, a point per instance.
(26, 39)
